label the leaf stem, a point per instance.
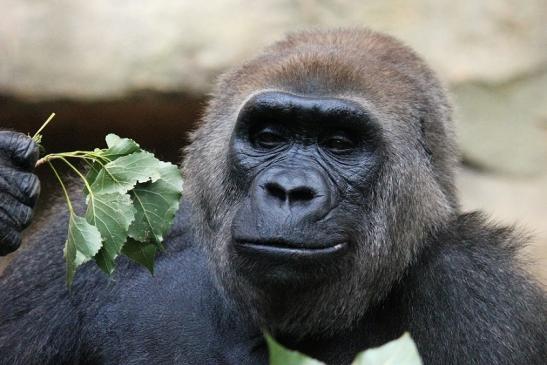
(57, 156)
(69, 203)
(79, 174)
(43, 126)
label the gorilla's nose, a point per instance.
(293, 192)
(299, 191)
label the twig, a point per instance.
(44, 125)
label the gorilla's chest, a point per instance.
(173, 319)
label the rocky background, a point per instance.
(143, 69)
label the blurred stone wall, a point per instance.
(88, 59)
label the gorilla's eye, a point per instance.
(268, 138)
(339, 143)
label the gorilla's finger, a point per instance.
(24, 215)
(24, 186)
(19, 149)
(14, 213)
(10, 240)
(29, 184)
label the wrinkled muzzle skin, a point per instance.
(389, 215)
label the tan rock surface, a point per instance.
(101, 48)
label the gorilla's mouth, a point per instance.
(287, 249)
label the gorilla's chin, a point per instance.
(285, 306)
(292, 293)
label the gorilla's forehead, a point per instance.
(334, 74)
(382, 94)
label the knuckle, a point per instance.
(30, 187)
(5, 181)
(10, 240)
(23, 186)
(19, 149)
(8, 210)
(25, 216)
(14, 214)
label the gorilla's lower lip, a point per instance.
(288, 249)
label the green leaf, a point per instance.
(111, 214)
(122, 174)
(92, 173)
(279, 355)
(117, 147)
(141, 253)
(156, 204)
(83, 242)
(402, 351)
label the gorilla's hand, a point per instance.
(19, 187)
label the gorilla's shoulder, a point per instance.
(471, 281)
(476, 228)
(475, 234)
(473, 272)
(473, 241)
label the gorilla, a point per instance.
(319, 207)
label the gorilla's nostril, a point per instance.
(294, 195)
(301, 194)
(276, 191)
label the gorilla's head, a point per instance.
(318, 172)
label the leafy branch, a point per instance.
(131, 198)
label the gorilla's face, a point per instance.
(314, 209)
(305, 165)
